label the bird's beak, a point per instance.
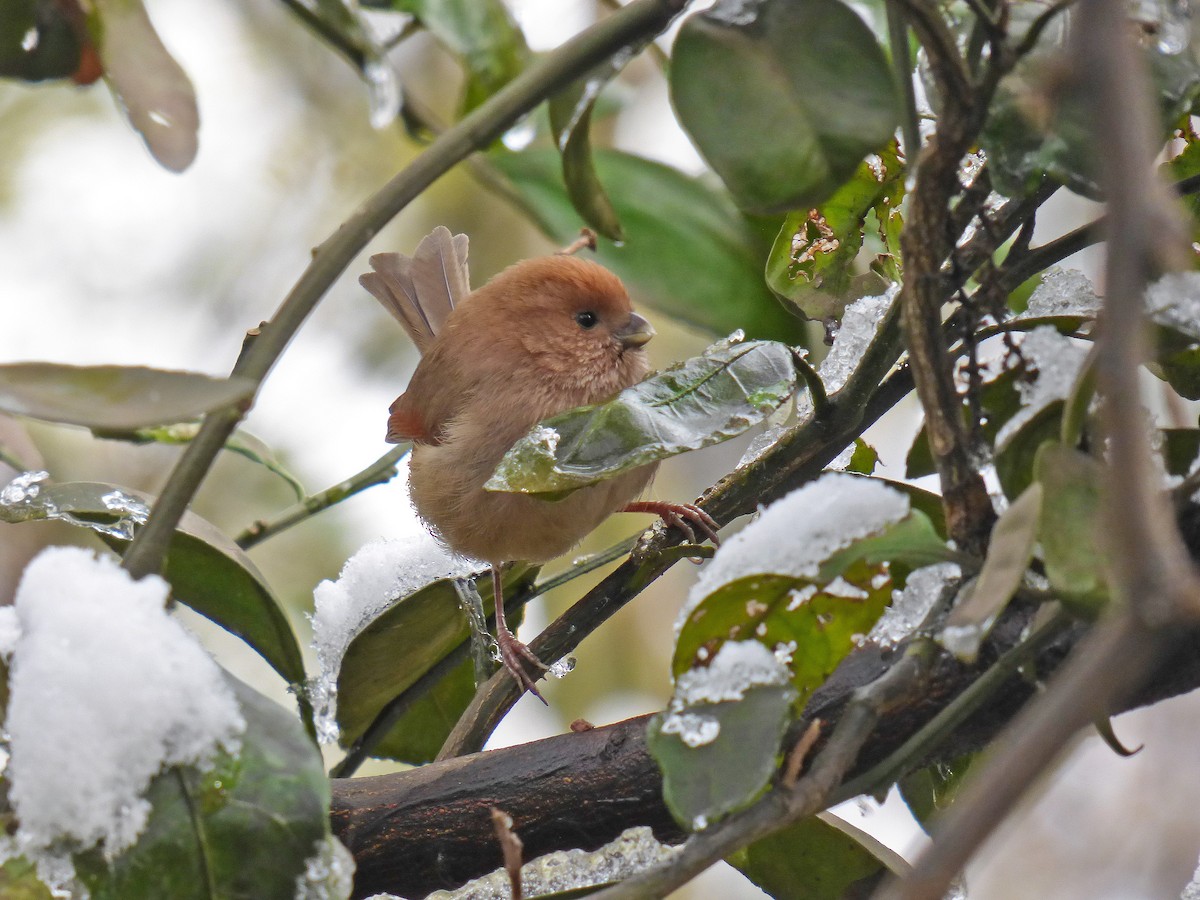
(636, 332)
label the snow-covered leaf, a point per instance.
(820, 858)
(1009, 553)
(205, 569)
(414, 633)
(717, 742)
(114, 398)
(779, 117)
(702, 401)
(1070, 519)
(244, 828)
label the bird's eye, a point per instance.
(587, 319)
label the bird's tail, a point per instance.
(420, 290)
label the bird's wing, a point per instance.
(421, 290)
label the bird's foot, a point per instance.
(518, 659)
(687, 517)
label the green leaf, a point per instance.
(405, 641)
(1070, 519)
(570, 121)
(675, 226)
(205, 569)
(820, 858)
(482, 33)
(701, 401)
(1015, 457)
(150, 86)
(114, 398)
(1181, 446)
(243, 829)
(1009, 553)
(864, 459)
(718, 742)
(816, 622)
(812, 262)
(784, 98)
(930, 790)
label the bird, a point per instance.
(543, 336)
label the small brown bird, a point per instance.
(543, 336)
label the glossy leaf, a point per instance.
(702, 401)
(243, 829)
(675, 226)
(1070, 519)
(205, 569)
(398, 647)
(784, 98)
(812, 262)
(114, 398)
(482, 33)
(152, 89)
(819, 858)
(1010, 551)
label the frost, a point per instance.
(734, 12)
(964, 640)
(797, 533)
(1057, 361)
(107, 690)
(1174, 300)
(737, 667)
(545, 437)
(328, 874)
(911, 606)
(693, 729)
(1063, 292)
(860, 322)
(569, 870)
(378, 574)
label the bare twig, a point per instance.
(512, 848)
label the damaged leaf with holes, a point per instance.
(815, 263)
(702, 401)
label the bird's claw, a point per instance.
(687, 517)
(515, 657)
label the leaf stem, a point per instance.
(474, 132)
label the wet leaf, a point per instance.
(702, 401)
(675, 226)
(243, 829)
(1069, 529)
(1009, 553)
(405, 641)
(151, 87)
(482, 33)
(114, 398)
(205, 569)
(724, 756)
(784, 98)
(820, 858)
(812, 262)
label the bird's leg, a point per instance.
(513, 654)
(680, 515)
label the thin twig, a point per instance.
(381, 471)
(475, 131)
